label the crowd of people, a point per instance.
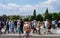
(26, 27)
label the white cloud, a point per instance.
(52, 5)
(50, 1)
(12, 8)
(26, 8)
(46, 4)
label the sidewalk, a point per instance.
(42, 33)
(30, 35)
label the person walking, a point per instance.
(7, 26)
(53, 24)
(34, 26)
(12, 26)
(15, 25)
(49, 26)
(18, 26)
(39, 27)
(21, 25)
(45, 26)
(58, 27)
(26, 29)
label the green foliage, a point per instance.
(39, 17)
(26, 19)
(59, 16)
(34, 14)
(32, 18)
(46, 12)
(56, 16)
(50, 16)
(47, 15)
(15, 17)
(5, 17)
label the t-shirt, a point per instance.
(18, 24)
(15, 22)
(7, 24)
(12, 25)
(21, 23)
(46, 23)
(53, 22)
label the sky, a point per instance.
(26, 7)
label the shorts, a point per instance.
(34, 28)
(49, 27)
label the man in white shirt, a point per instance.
(45, 26)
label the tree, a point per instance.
(34, 14)
(46, 12)
(26, 19)
(55, 16)
(31, 18)
(5, 17)
(47, 15)
(59, 16)
(39, 17)
(15, 17)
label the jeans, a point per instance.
(20, 30)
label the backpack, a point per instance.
(32, 25)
